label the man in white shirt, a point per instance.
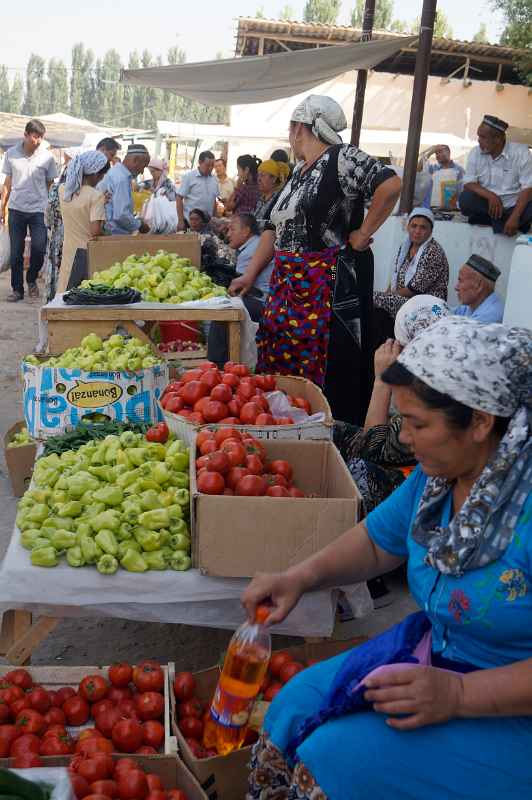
(476, 291)
(198, 189)
(498, 181)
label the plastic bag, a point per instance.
(161, 215)
(57, 777)
(5, 250)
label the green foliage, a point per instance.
(518, 31)
(383, 15)
(259, 14)
(37, 96)
(481, 36)
(324, 12)
(287, 13)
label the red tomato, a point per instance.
(264, 420)
(240, 370)
(154, 782)
(234, 475)
(8, 734)
(107, 719)
(39, 699)
(120, 674)
(275, 480)
(230, 380)
(205, 365)
(153, 733)
(128, 735)
(128, 709)
(28, 743)
(174, 404)
(284, 421)
(77, 710)
(196, 418)
(254, 447)
(94, 769)
(277, 661)
(5, 711)
(116, 694)
(203, 436)
(277, 491)
(158, 433)
(93, 688)
(201, 462)
(79, 785)
(107, 787)
(214, 411)
(55, 716)
(27, 761)
(93, 745)
(125, 763)
(191, 728)
(269, 383)
(192, 708)
(261, 401)
(56, 746)
(222, 392)
(148, 677)
(300, 402)
(218, 462)
(63, 694)
(249, 413)
(87, 733)
(222, 434)
(149, 705)
(210, 483)
(146, 750)
(30, 721)
(191, 375)
(54, 700)
(290, 669)
(18, 706)
(55, 730)
(12, 694)
(20, 678)
(156, 794)
(229, 421)
(185, 413)
(235, 452)
(295, 492)
(132, 785)
(245, 391)
(184, 686)
(211, 378)
(191, 392)
(173, 386)
(272, 690)
(280, 467)
(251, 486)
(97, 797)
(176, 794)
(254, 465)
(208, 446)
(235, 406)
(101, 705)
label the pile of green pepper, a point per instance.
(119, 502)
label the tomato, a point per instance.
(229, 492)
(290, 669)
(155, 784)
(174, 404)
(203, 436)
(156, 794)
(93, 688)
(261, 401)
(12, 694)
(222, 392)
(251, 486)
(149, 705)
(173, 386)
(19, 705)
(39, 699)
(254, 447)
(208, 446)
(264, 420)
(235, 452)
(55, 716)
(218, 462)
(277, 661)
(211, 378)
(300, 402)
(201, 462)
(97, 797)
(148, 677)
(184, 686)
(235, 406)
(27, 761)
(295, 492)
(240, 370)
(79, 785)
(125, 763)
(132, 785)
(277, 491)
(77, 710)
(275, 480)
(54, 699)
(158, 433)
(210, 483)
(234, 475)
(230, 380)
(175, 794)
(20, 678)
(101, 705)
(107, 787)
(254, 465)
(94, 769)
(87, 733)
(128, 709)
(269, 383)
(28, 743)
(153, 733)
(272, 690)
(222, 434)
(63, 694)
(249, 413)
(214, 411)
(120, 674)
(191, 375)
(55, 730)
(280, 467)
(205, 365)
(198, 751)
(198, 406)
(146, 750)
(92, 745)
(185, 413)
(128, 735)
(5, 711)
(196, 418)
(107, 719)
(191, 728)
(246, 390)
(56, 746)
(116, 694)
(192, 708)
(30, 721)
(191, 392)
(8, 734)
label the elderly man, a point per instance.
(117, 184)
(498, 181)
(476, 291)
(198, 189)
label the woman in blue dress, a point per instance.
(457, 724)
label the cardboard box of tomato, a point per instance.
(226, 776)
(236, 536)
(60, 697)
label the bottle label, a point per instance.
(230, 710)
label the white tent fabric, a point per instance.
(257, 79)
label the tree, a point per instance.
(442, 28)
(287, 13)
(4, 90)
(112, 90)
(259, 14)
(36, 100)
(58, 83)
(16, 95)
(82, 83)
(518, 31)
(322, 11)
(481, 36)
(383, 15)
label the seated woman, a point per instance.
(83, 212)
(245, 197)
(454, 719)
(272, 176)
(374, 454)
(420, 267)
(213, 249)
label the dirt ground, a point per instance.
(102, 640)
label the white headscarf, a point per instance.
(162, 165)
(88, 163)
(325, 116)
(416, 314)
(402, 254)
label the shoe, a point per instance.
(14, 297)
(380, 593)
(33, 290)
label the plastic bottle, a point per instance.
(244, 669)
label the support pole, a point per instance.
(415, 125)
(362, 75)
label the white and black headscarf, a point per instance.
(487, 367)
(325, 116)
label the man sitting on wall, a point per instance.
(498, 181)
(476, 291)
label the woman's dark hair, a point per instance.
(249, 162)
(108, 144)
(280, 155)
(458, 415)
(201, 214)
(250, 221)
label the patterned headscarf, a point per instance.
(487, 367)
(324, 114)
(416, 314)
(88, 163)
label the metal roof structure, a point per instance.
(450, 58)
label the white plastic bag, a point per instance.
(5, 250)
(57, 777)
(161, 215)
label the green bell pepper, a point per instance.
(38, 513)
(80, 483)
(175, 512)
(62, 539)
(127, 544)
(125, 531)
(71, 509)
(89, 548)
(147, 484)
(180, 562)
(93, 510)
(179, 541)
(39, 495)
(107, 564)
(137, 455)
(149, 500)
(129, 439)
(182, 497)
(110, 495)
(83, 528)
(103, 473)
(29, 537)
(155, 560)
(59, 497)
(74, 557)
(106, 540)
(156, 451)
(179, 526)
(127, 478)
(164, 536)
(181, 480)
(131, 509)
(44, 557)
(149, 540)
(178, 463)
(110, 519)
(156, 519)
(175, 448)
(133, 561)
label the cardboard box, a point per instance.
(227, 776)
(56, 399)
(105, 251)
(235, 537)
(298, 387)
(19, 460)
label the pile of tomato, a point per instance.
(233, 396)
(234, 463)
(123, 779)
(126, 709)
(281, 669)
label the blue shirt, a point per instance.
(244, 255)
(490, 310)
(483, 618)
(119, 210)
(198, 191)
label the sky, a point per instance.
(50, 30)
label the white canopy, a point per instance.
(257, 79)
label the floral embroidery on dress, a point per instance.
(271, 778)
(459, 605)
(513, 585)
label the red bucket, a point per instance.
(179, 332)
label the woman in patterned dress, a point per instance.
(440, 706)
(54, 223)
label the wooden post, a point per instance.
(428, 16)
(362, 75)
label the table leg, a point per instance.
(20, 651)
(234, 341)
(15, 623)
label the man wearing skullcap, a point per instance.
(476, 291)
(498, 181)
(117, 184)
